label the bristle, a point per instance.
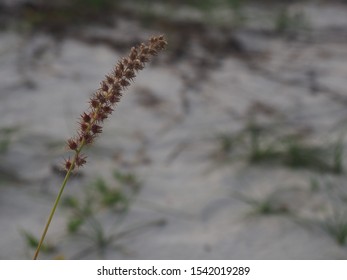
(110, 92)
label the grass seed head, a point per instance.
(110, 93)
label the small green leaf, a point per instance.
(33, 242)
(70, 202)
(101, 186)
(114, 197)
(74, 224)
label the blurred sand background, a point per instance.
(236, 132)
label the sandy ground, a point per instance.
(164, 130)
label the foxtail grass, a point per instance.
(102, 104)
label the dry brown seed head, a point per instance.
(131, 64)
(138, 65)
(144, 49)
(133, 53)
(143, 58)
(118, 73)
(80, 160)
(120, 65)
(107, 109)
(124, 83)
(104, 86)
(85, 117)
(109, 79)
(100, 116)
(110, 92)
(94, 102)
(114, 99)
(96, 128)
(101, 97)
(116, 88)
(153, 51)
(129, 74)
(72, 144)
(68, 164)
(162, 44)
(84, 126)
(88, 138)
(125, 61)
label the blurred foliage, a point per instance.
(263, 144)
(267, 205)
(336, 227)
(6, 139)
(59, 16)
(6, 134)
(32, 242)
(101, 195)
(86, 213)
(290, 22)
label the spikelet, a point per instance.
(105, 98)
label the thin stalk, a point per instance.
(67, 176)
(101, 106)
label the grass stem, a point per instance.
(50, 217)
